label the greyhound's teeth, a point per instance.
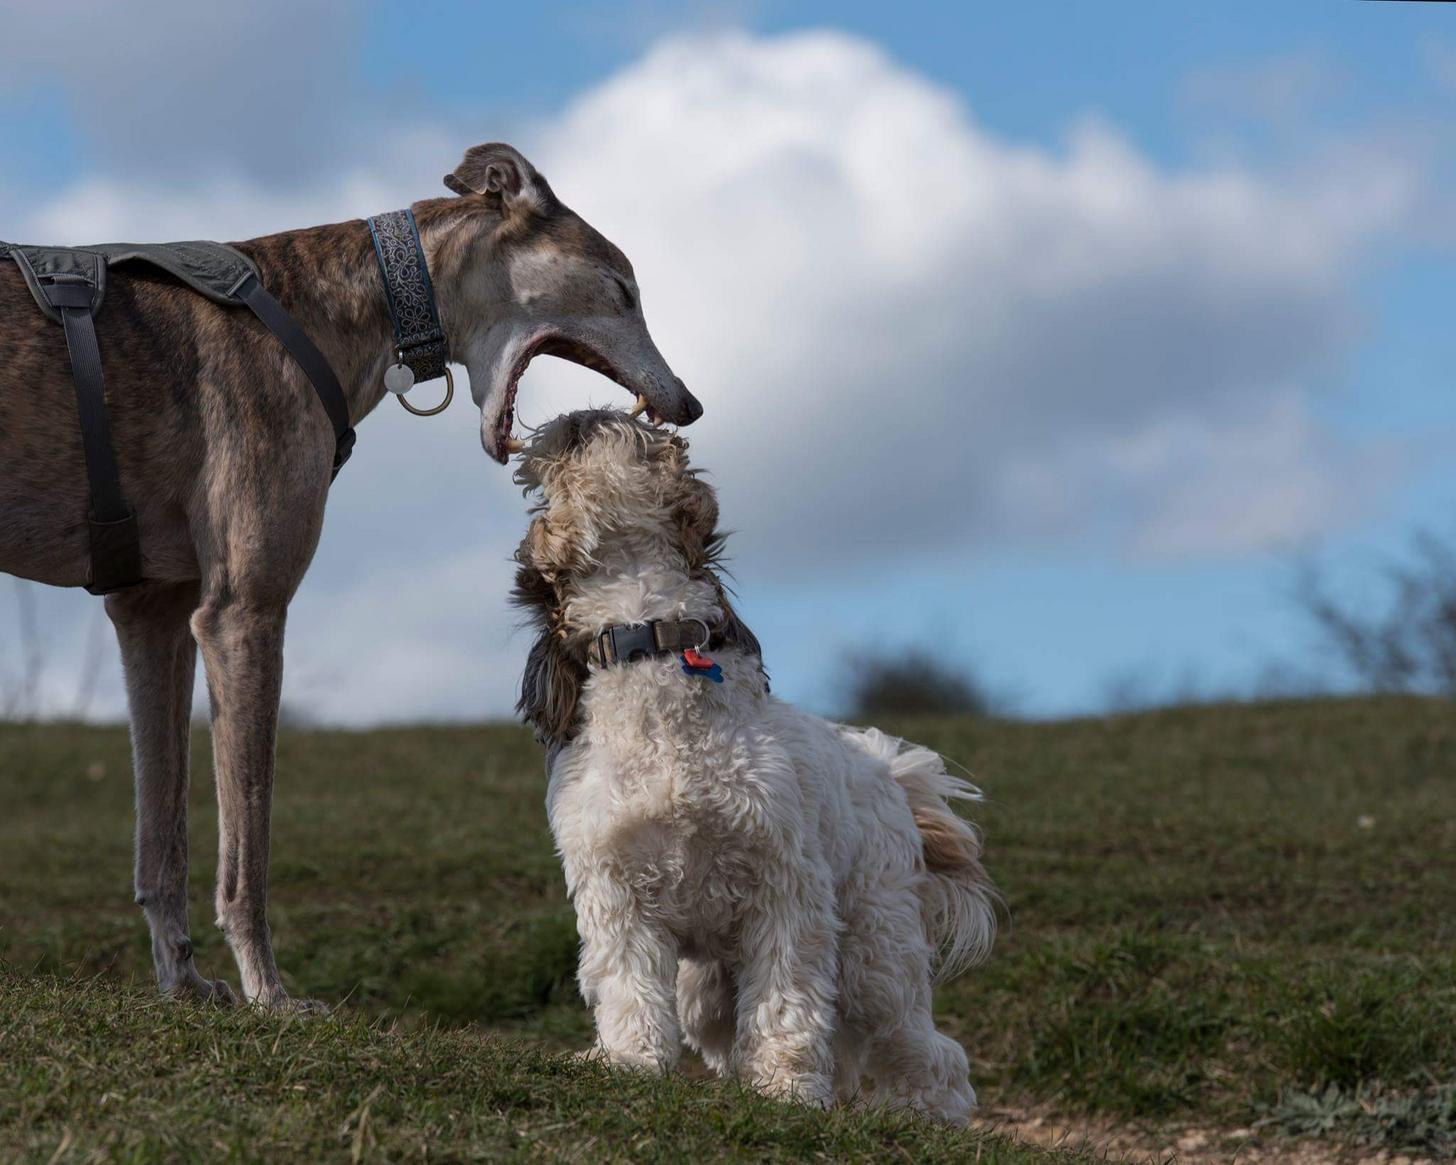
(640, 407)
(515, 445)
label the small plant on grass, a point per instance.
(1421, 1121)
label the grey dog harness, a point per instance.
(69, 285)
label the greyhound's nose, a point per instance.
(692, 408)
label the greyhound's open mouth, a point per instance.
(564, 349)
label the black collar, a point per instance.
(418, 337)
(629, 642)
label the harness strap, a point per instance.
(116, 555)
(252, 293)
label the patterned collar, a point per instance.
(418, 337)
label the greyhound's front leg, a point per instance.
(159, 656)
(242, 649)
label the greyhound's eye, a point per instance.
(629, 301)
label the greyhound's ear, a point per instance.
(500, 173)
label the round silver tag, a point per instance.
(399, 379)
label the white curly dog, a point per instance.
(775, 890)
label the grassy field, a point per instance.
(1223, 917)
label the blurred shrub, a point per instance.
(912, 682)
(1404, 642)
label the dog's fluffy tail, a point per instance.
(959, 900)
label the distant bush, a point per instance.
(1407, 641)
(912, 682)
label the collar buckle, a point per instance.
(630, 642)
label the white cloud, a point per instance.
(906, 328)
(1438, 56)
(1264, 481)
(912, 337)
(1281, 90)
(180, 88)
(405, 641)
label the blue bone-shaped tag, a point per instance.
(696, 664)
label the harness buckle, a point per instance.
(343, 450)
(65, 290)
(631, 643)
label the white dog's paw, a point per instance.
(964, 1106)
(809, 1088)
(653, 1064)
(651, 1061)
(954, 1104)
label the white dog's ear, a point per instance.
(695, 511)
(551, 546)
(500, 174)
(732, 631)
(556, 666)
(551, 688)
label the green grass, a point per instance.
(97, 1070)
(1221, 915)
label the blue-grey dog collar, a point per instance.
(417, 333)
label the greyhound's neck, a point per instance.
(328, 278)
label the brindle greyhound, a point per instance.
(226, 454)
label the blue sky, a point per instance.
(1152, 564)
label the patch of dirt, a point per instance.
(1185, 1145)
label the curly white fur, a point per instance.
(772, 889)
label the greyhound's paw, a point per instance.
(307, 1007)
(217, 991)
(196, 989)
(292, 1005)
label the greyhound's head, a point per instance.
(537, 280)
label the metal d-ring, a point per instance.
(439, 408)
(707, 633)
